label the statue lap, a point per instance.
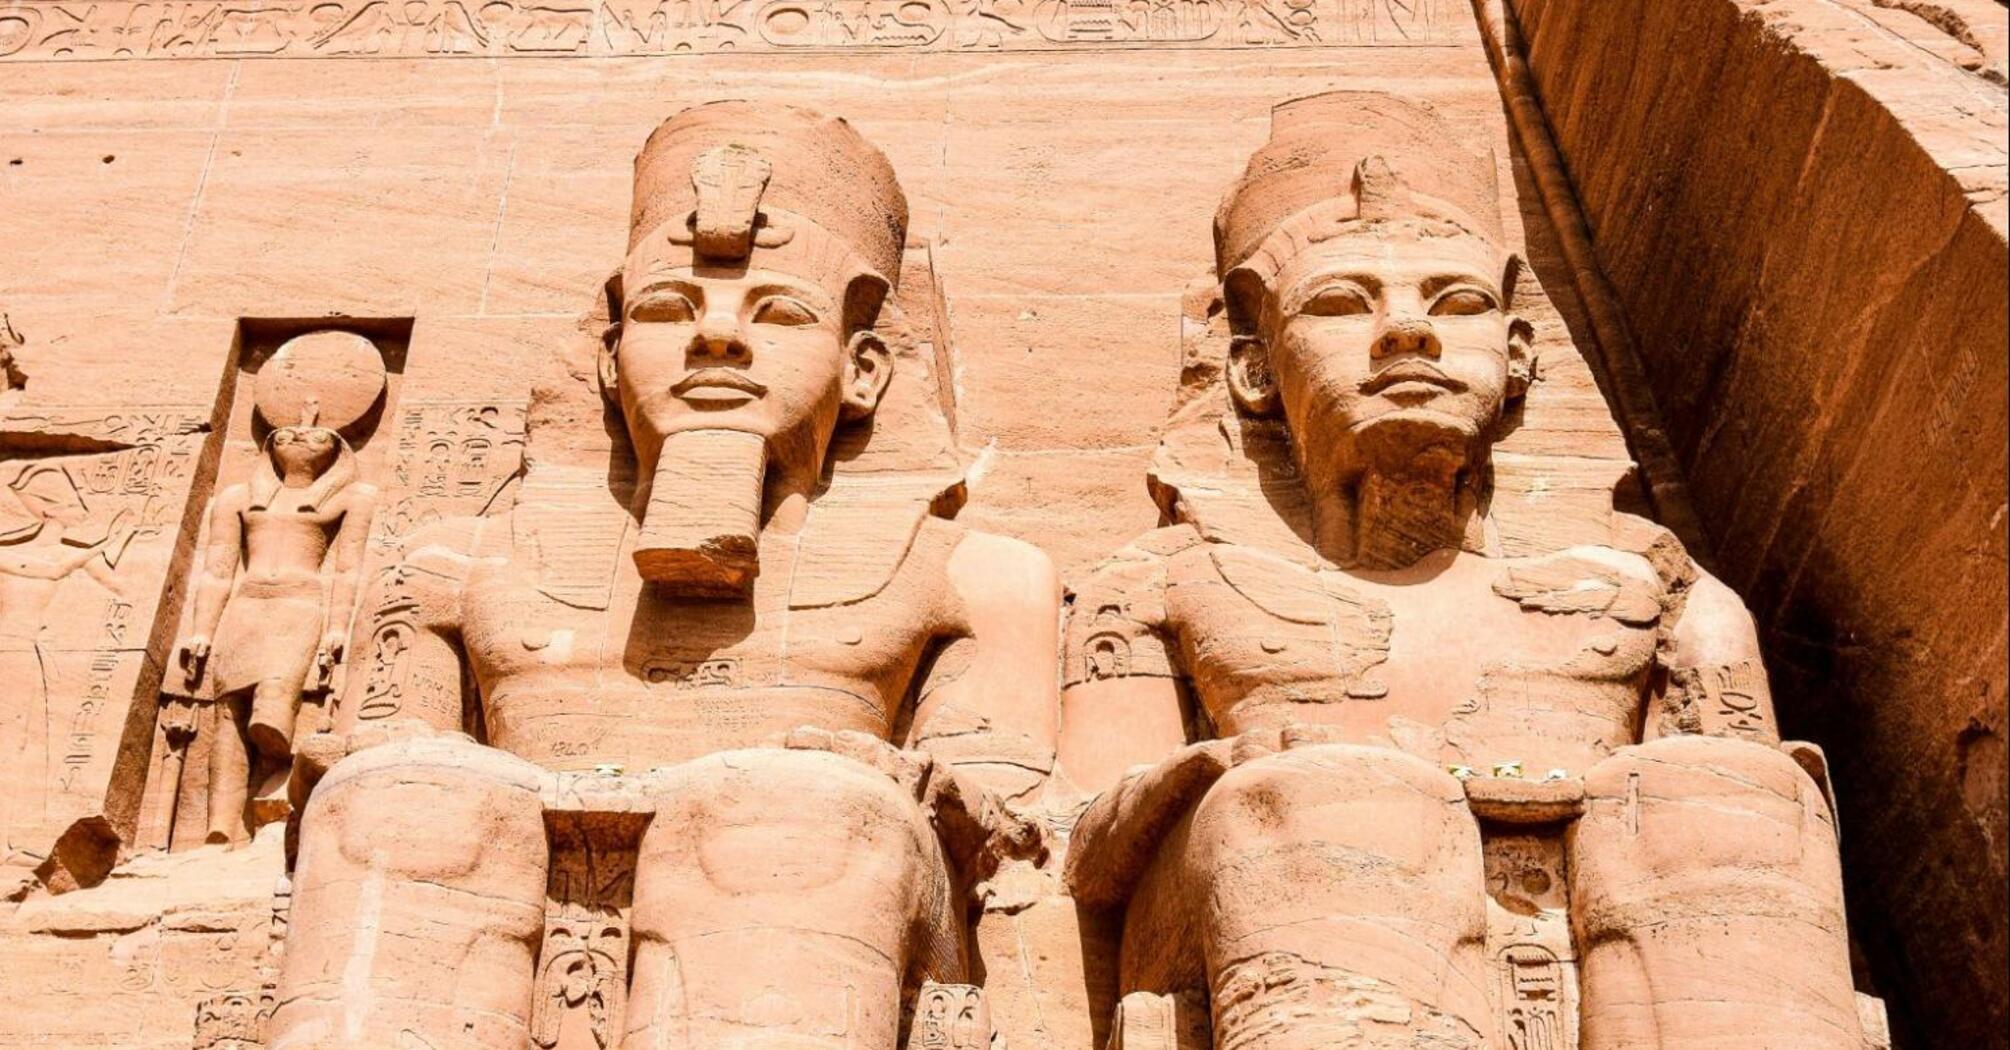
(1349, 874)
(428, 857)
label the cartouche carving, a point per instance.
(277, 587)
(1445, 779)
(951, 1017)
(700, 646)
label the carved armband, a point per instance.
(1732, 700)
(407, 668)
(1116, 625)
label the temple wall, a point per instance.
(1064, 191)
(1804, 211)
(180, 181)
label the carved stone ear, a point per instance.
(610, 336)
(1521, 334)
(868, 367)
(1521, 356)
(1250, 379)
(1511, 276)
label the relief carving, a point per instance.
(951, 1017)
(85, 543)
(1429, 781)
(450, 459)
(134, 29)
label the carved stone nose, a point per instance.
(1407, 336)
(719, 336)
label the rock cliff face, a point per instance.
(907, 580)
(1809, 241)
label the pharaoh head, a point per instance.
(762, 242)
(1370, 290)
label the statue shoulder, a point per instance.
(1130, 585)
(1714, 629)
(444, 554)
(991, 573)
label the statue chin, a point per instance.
(1413, 442)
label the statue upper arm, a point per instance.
(408, 637)
(989, 703)
(1716, 680)
(1121, 702)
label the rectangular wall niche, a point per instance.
(219, 760)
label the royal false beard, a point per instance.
(701, 528)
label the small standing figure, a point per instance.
(278, 580)
(579, 993)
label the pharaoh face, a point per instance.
(739, 348)
(307, 451)
(1392, 342)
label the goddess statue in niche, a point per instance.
(277, 587)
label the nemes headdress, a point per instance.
(1343, 159)
(771, 185)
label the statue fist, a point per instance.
(193, 654)
(332, 644)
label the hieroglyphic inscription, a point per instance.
(1528, 937)
(452, 459)
(582, 970)
(950, 1017)
(229, 1021)
(121, 29)
(84, 544)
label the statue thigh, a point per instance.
(419, 901)
(1706, 900)
(785, 899)
(1335, 895)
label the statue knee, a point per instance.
(1376, 800)
(434, 808)
(1351, 875)
(1335, 830)
(1704, 869)
(820, 867)
(1711, 813)
(793, 830)
(423, 866)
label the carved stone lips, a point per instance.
(1410, 372)
(719, 379)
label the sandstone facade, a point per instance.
(865, 565)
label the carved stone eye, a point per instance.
(1337, 302)
(663, 307)
(1463, 302)
(784, 311)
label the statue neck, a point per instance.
(1385, 519)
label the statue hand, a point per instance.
(907, 768)
(194, 654)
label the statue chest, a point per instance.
(653, 678)
(1462, 645)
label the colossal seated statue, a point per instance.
(1335, 721)
(742, 648)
